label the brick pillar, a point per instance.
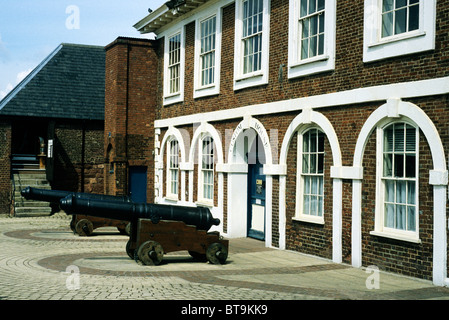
(130, 107)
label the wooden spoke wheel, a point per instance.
(217, 253)
(84, 227)
(150, 253)
(130, 252)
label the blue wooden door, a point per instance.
(138, 184)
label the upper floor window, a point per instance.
(311, 36)
(397, 211)
(398, 27)
(174, 64)
(252, 35)
(399, 16)
(311, 24)
(207, 55)
(251, 47)
(310, 191)
(174, 68)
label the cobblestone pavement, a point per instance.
(41, 259)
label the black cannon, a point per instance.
(157, 229)
(81, 223)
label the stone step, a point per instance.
(32, 211)
(22, 203)
(33, 175)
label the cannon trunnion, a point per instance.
(159, 229)
(81, 224)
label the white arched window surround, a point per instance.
(382, 228)
(310, 177)
(438, 177)
(305, 118)
(203, 130)
(172, 134)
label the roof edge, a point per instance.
(28, 78)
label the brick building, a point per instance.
(314, 125)
(52, 129)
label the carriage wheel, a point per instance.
(130, 252)
(150, 253)
(217, 253)
(84, 227)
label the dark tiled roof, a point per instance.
(68, 84)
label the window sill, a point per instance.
(172, 198)
(395, 236)
(309, 219)
(398, 38)
(204, 203)
(310, 60)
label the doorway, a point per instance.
(256, 191)
(138, 184)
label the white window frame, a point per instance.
(213, 88)
(178, 96)
(298, 67)
(300, 215)
(380, 228)
(201, 172)
(170, 168)
(376, 48)
(258, 77)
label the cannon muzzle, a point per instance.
(130, 211)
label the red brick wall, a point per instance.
(78, 157)
(350, 73)
(130, 107)
(5, 168)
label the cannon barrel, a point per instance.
(30, 193)
(130, 211)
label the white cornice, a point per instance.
(401, 90)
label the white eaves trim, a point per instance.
(401, 90)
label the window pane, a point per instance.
(389, 215)
(399, 137)
(306, 206)
(401, 192)
(320, 5)
(410, 166)
(389, 191)
(312, 164)
(411, 219)
(388, 164)
(410, 143)
(307, 185)
(305, 163)
(411, 195)
(399, 165)
(400, 21)
(303, 8)
(413, 23)
(400, 217)
(387, 24)
(320, 163)
(388, 139)
(387, 5)
(400, 3)
(312, 6)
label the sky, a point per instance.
(31, 29)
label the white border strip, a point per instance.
(361, 95)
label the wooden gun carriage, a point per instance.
(158, 229)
